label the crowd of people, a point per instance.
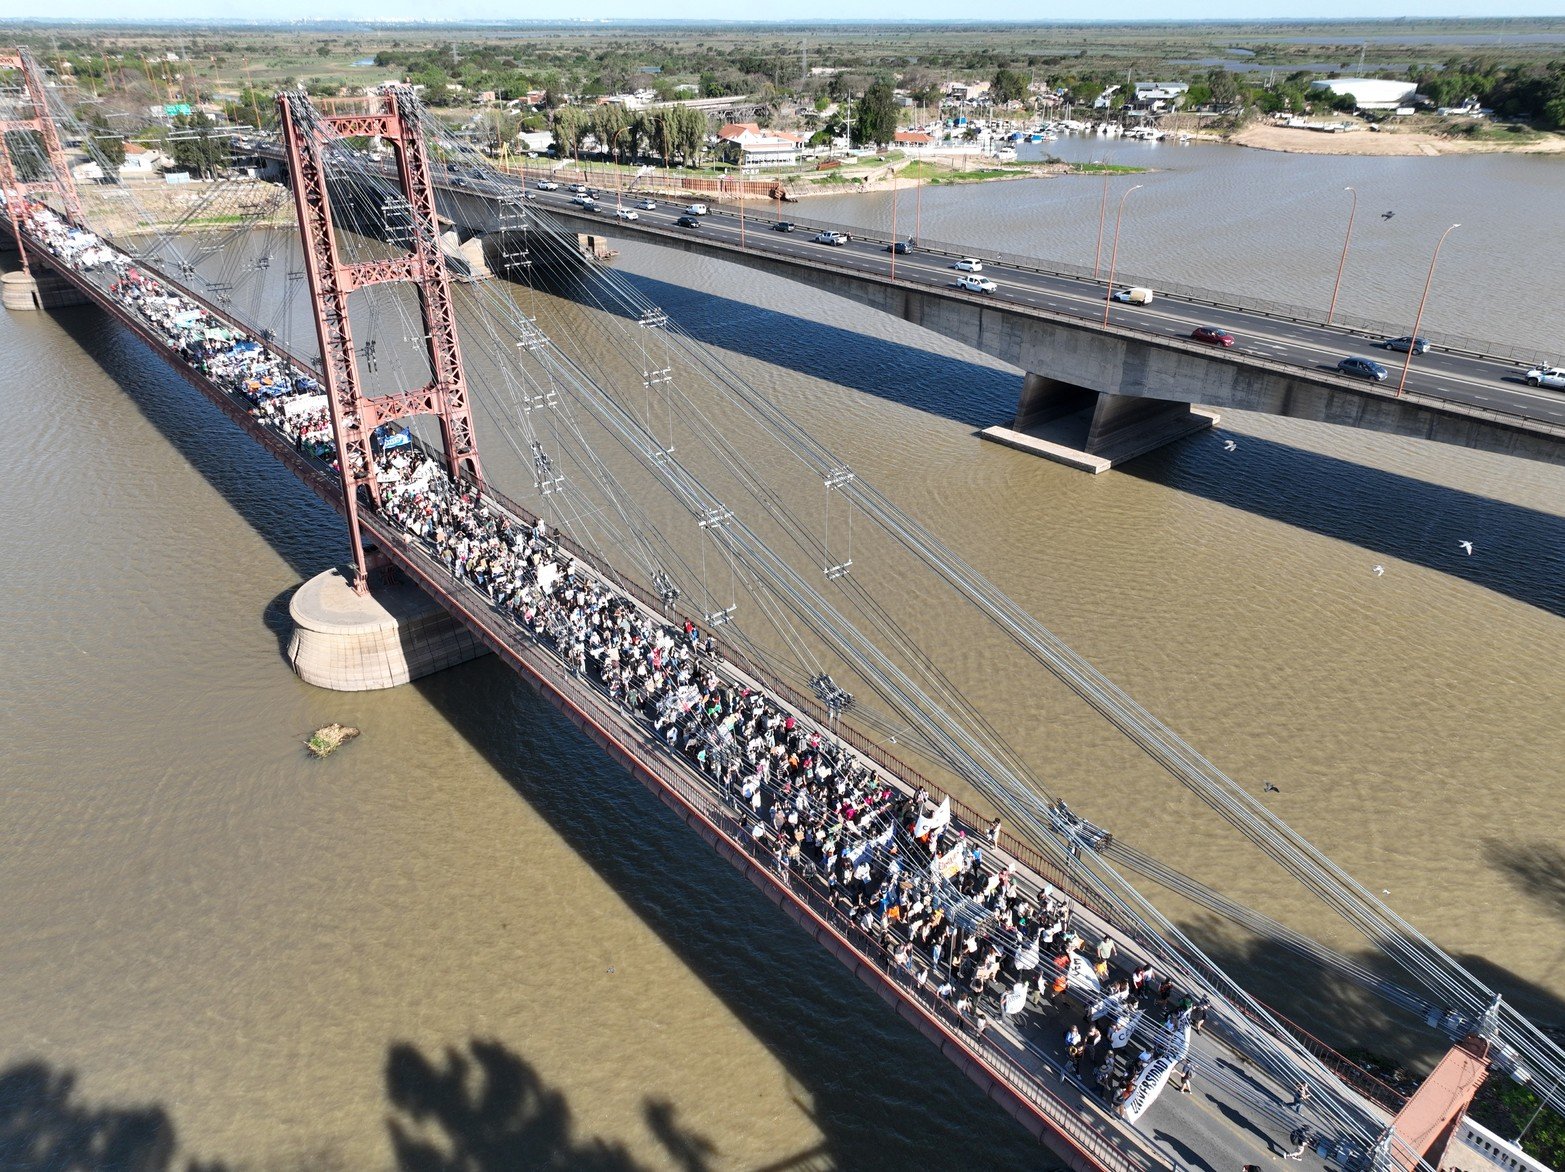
(950, 916)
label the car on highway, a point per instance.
(547, 185)
(1212, 336)
(578, 189)
(648, 205)
(784, 226)
(1405, 343)
(900, 247)
(585, 201)
(1546, 376)
(688, 222)
(976, 284)
(626, 214)
(1135, 295)
(969, 264)
(831, 238)
(1363, 368)
(695, 209)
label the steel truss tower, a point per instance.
(31, 96)
(307, 133)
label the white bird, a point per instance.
(1385, 891)
(1378, 570)
(1467, 547)
(1229, 445)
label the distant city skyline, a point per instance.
(853, 11)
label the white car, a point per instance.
(579, 188)
(969, 264)
(648, 205)
(547, 185)
(695, 209)
(976, 284)
(1546, 376)
(831, 238)
(626, 213)
(585, 201)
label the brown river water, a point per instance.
(467, 933)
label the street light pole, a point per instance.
(1108, 299)
(918, 210)
(893, 223)
(1419, 317)
(1352, 211)
(1103, 207)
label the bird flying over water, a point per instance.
(1386, 215)
(1272, 789)
(1378, 570)
(1467, 547)
(1229, 445)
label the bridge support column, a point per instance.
(41, 289)
(1091, 430)
(352, 642)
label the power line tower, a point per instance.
(26, 109)
(307, 134)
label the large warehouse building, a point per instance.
(1371, 93)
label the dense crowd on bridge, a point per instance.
(950, 916)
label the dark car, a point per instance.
(784, 226)
(1363, 368)
(1404, 344)
(688, 222)
(1212, 336)
(900, 247)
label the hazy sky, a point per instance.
(934, 10)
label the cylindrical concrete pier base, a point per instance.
(19, 291)
(360, 642)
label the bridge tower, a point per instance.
(307, 134)
(25, 108)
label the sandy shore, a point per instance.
(1386, 142)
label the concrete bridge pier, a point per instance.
(43, 289)
(352, 642)
(1093, 430)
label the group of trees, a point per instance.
(1532, 93)
(669, 132)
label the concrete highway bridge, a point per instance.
(1094, 393)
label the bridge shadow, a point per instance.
(1518, 551)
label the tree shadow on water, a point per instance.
(482, 1107)
(1537, 869)
(46, 1127)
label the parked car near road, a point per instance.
(1404, 344)
(969, 264)
(1546, 376)
(831, 238)
(976, 284)
(1212, 336)
(1363, 368)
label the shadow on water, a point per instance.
(1536, 869)
(1518, 551)
(852, 1062)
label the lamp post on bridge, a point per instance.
(1103, 207)
(893, 223)
(1108, 298)
(1341, 264)
(1412, 343)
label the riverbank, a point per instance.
(939, 171)
(1392, 142)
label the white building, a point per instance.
(762, 148)
(1370, 93)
